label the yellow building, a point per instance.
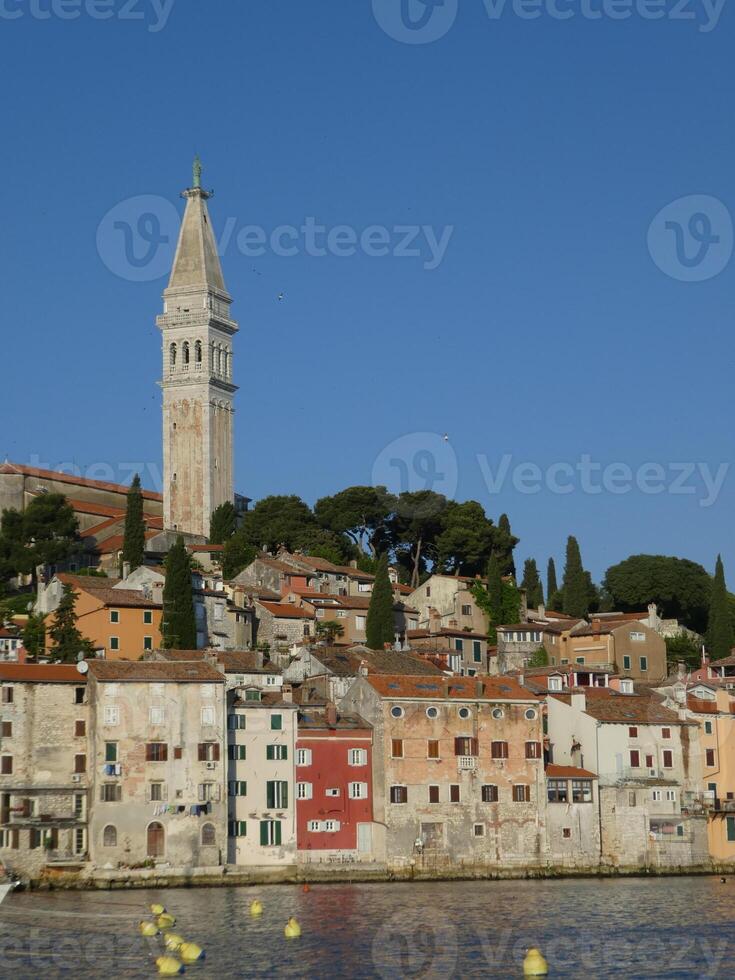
(714, 709)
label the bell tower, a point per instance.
(198, 391)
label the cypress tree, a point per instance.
(66, 640)
(532, 584)
(223, 523)
(179, 631)
(133, 550)
(503, 544)
(34, 635)
(380, 625)
(719, 625)
(551, 587)
(494, 597)
(576, 585)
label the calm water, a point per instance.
(679, 927)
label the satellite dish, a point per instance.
(82, 666)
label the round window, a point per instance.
(464, 712)
(498, 713)
(396, 711)
(432, 712)
(531, 714)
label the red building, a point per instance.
(334, 787)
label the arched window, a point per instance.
(209, 836)
(198, 352)
(217, 359)
(185, 351)
(172, 357)
(228, 362)
(156, 840)
(109, 836)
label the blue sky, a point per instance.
(546, 334)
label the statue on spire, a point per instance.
(197, 172)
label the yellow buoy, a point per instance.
(534, 964)
(292, 930)
(256, 907)
(190, 952)
(168, 966)
(165, 921)
(148, 928)
(172, 941)
(158, 909)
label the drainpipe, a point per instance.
(599, 796)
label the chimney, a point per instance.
(287, 693)
(595, 625)
(681, 670)
(579, 701)
(353, 564)
(541, 611)
(435, 620)
(363, 668)
(331, 714)
(126, 570)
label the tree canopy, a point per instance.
(465, 540)
(679, 587)
(133, 551)
(532, 584)
(223, 523)
(67, 643)
(359, 512)
(45, 533)
(178, 628)
(719, 623)
(577, 588)
(380, 623)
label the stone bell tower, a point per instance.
(198, 392)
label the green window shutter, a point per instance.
(277, 835)
(284, 798)
(276, 723)
(263, 833)
(731, 828)
(270, 792)
(270, 751)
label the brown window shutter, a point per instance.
(474, 746)
(177, 752)
(202, 752)
(164, 753)
(149, 752)
(215, 751)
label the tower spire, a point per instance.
(196, 171)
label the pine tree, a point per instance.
(133, 551)
(178, 629)
(67, 643)
(503, 544)
(719, 625)
(532, 584)
(576, 585)
(34, 635)
(551, 587)
(380, 625)
(495, 597)
(223, 523)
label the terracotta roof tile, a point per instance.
(284, 610)
(461, 688)
(568, 772)
(154, 671)
(74, 480)
(41, 673)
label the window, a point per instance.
(237, 828)
(432, 748)
(147, 617)
(252, 695)
(111, 715)
(332, 826)
(433, 794)
(531, 714)
(80, 807)
(237, 787)
(110, 793)
(656, 795)
(80, 729)
(7, 729)
(236, 723)
(114, 642)
(581, 791)
(489, 793)
(209, 835)
(357, 791)
(207, 792)
(8, 695)
(668, 759)
(466, 610)
(498, 714)
(665, 733)
(6, 765)
(360, 623)
(303, 757)
(314, 826)
(731, 828)
(557, 791)
(276, 753)
(396, 711)
(632, 732)
(276, 723)
(236, 753)
(555, 683)
(147, 642)
(649, 761)
(671, 796)
(332, 791)
(644, 663)
(114, 616)
(579, 660)
(109, 836)
(454, 793)
(270, 833)
(631, 798)
(533, 750)
(637, 637)
(80, 763)
(459, 645)
(276, 794)
(208, 751)
(357, 757)
(464, 713)
(396, 748)
(626, 663)
(156, 792)
(479, 830)
(566, 833)
(432, 712)
(207, 716)
(304, 791)
(399, 794)
(156, 752)
(157, 715)
(710, 758)
(110, 751)
(499, 750)
(708, 727)
(635, 759)
(428, 591)
(463, 745)
(477, 651)
(521, 793)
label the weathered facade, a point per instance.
(572, 817)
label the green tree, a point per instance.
(680, 588)
(361, 513)
(552, 588)
(576, 586)
(46, 533)
(329, 630)
(134, 537)
(490, 599)
(511, 601)
(532, 584)
(685, 649)
(278, 521)
(412, 531)
(719, 624)
(223, 523)
(503, 545)
(466, 539)
(238, 554)
(380, 624)
(540, 658)
(34, 635)
(67, 643)
(178, 628)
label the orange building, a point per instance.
(121, 623)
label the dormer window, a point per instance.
(626, 687)
(555, 683)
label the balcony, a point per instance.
(59, 859)
(466, 763)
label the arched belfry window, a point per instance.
(172, 357)
(198, 352)
(185, 352)
(217, 359)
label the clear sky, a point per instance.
(553, 327)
